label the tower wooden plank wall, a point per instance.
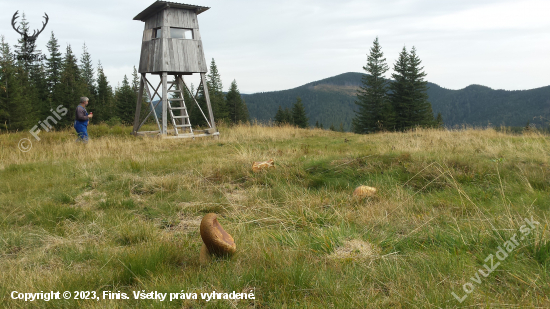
(167, 54)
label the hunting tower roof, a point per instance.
(160, 5)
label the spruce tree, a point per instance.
(299, 117)
(375, 111)
(422, 114)
(26, 49)
(70, 88)
(87, 70)
(238, 112)
(195, 115)
(87, 75)
(105, 101)
(53, 64)
(408, 92)
(125, 99)
(14, 106)
(21, 50)
(287, 116)
(399, 95)
(28, 67)
(283, 116)
(39, 95)
(279, 118)
(215, 91)
(36, 91)
(135, 81)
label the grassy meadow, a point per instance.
(122, 214)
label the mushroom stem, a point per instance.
(205, 257)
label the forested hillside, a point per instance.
(331, 101)
(480, 105)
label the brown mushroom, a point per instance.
(364, 191)
(215, 238)
(259, 166)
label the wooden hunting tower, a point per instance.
(172, 45)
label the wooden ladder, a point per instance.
(185, 123)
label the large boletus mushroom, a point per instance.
(216, 239)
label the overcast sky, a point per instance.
(277, 45)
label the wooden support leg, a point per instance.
(209, 106)
(164, 78)
(138, 105)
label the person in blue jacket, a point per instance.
(82, 119)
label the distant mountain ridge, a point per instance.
(332, 101)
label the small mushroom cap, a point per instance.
(259, 166)
(364, 191)
(216, 239)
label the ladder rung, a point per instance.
(175, 108)
(183, 126)
(180, 117)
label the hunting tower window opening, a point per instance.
(181, 33)
(157, 33)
